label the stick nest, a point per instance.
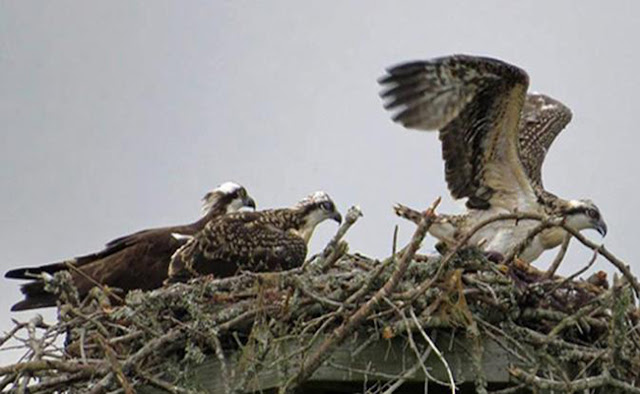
(568, 334)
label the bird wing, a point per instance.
(160, 238)
(142, 265)
(543, 118)
(240, 241)
(475, 103)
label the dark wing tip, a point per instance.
(35, 297)
(18, 273)
(34, 303)
(402, 71)
(20, 306)
(31, 273)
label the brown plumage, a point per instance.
(475, 102)
(542, 120)
(264, 241)
(494, 140)
(136, 261)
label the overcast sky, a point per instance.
(117, 116)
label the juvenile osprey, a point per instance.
(136, 261)
(269, 240)
(494, 140)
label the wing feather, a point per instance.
(475, 103)
(543, 118)
(243, 241)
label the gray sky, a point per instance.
(118, 116)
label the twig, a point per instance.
(246, 316)
(412, 344)
(116, 368)
(559, 257)
(12, 332)
(35, 344)
(452, 383)
(539, 313)
(152, 346)
(297, 281)
(576, 274)
(217, 347)
(102, 384)
(88, 277)
(510, 339)
(161, 384)
(44, 365)
(545, 223)
(573, 386)
(619, 264)
(362, 290)
(341, 333)
(59, 381)
(83, 354)
(408, 373)
(330, 253)
(8, 379)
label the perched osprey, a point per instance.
(135, 261)
(269, 240)
(494, 139)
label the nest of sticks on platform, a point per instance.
(155, 338)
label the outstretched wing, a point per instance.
(241, 241)
(476, 103)
(543, 118)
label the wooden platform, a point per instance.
(358, 365)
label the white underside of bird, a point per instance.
(494, 140)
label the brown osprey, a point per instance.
(494, 140)
(269, 240)
(136, 261)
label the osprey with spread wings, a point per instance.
(494, 140)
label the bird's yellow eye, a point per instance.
(242, 193)
(592, 213)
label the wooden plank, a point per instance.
(379, 361)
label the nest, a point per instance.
(564, 334)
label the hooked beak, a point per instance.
(337, 217)
(249, 202)
(601, 227)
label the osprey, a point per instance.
(136, 261)
(262, 241)
(494, 140)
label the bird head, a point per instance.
(584, 214)
(228, 197)
(314, 209)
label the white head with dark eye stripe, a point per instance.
(226, 198)
(584, 214)
(316, 208)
